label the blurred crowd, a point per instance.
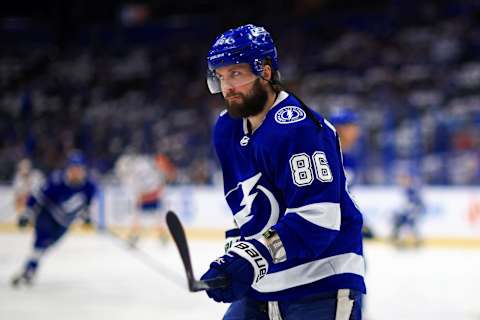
(412, 75)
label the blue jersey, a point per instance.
(64, 202)
(413, 200)
(288, 175)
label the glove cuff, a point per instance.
(250, 253)
(232, 236)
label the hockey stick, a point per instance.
(178, 234)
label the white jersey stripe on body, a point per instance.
(323, 214)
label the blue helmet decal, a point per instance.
(245, 44)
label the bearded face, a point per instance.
(247, 104)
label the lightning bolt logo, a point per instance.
(243, 216)
(289, 114)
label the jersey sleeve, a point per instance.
(46, 191)
(306, 165)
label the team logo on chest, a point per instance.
(248, 190)
(289, 114)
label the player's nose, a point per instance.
(229, 91)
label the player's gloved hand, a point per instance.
(23, 220)
(87, 222)
(243, 266)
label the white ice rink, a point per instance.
(89, 277)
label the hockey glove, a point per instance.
(243, 266)
(87, 223)
(23, 220)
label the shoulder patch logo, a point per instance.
(289, 114)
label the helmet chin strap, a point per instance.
(269, 81)
(272, 83)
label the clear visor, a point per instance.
(228, 79)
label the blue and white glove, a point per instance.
(244, 265)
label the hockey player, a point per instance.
(300, 252)
(412, 208)
(143, 177)
(66, 195)
(25, 181)
(346, 122)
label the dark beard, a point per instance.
(252, 104)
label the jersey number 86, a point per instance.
(302, 171)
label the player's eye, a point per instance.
(235, 74)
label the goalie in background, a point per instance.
(25, 182)
(144, 178)
(65, 196)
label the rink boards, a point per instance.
(452, 214)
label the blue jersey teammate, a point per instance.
(412, 209)
(348, 129)
(346, 122)
(300, 251)
(65, 196)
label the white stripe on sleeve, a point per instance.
(323, 214)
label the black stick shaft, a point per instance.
(178, 234)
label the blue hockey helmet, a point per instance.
(245, 44)
(342, 116)
(76, 158)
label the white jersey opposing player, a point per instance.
(144, 182)
(25, 181)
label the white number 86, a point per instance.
(302, 172)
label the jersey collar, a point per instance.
(281, 96)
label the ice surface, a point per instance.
(91, 277)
